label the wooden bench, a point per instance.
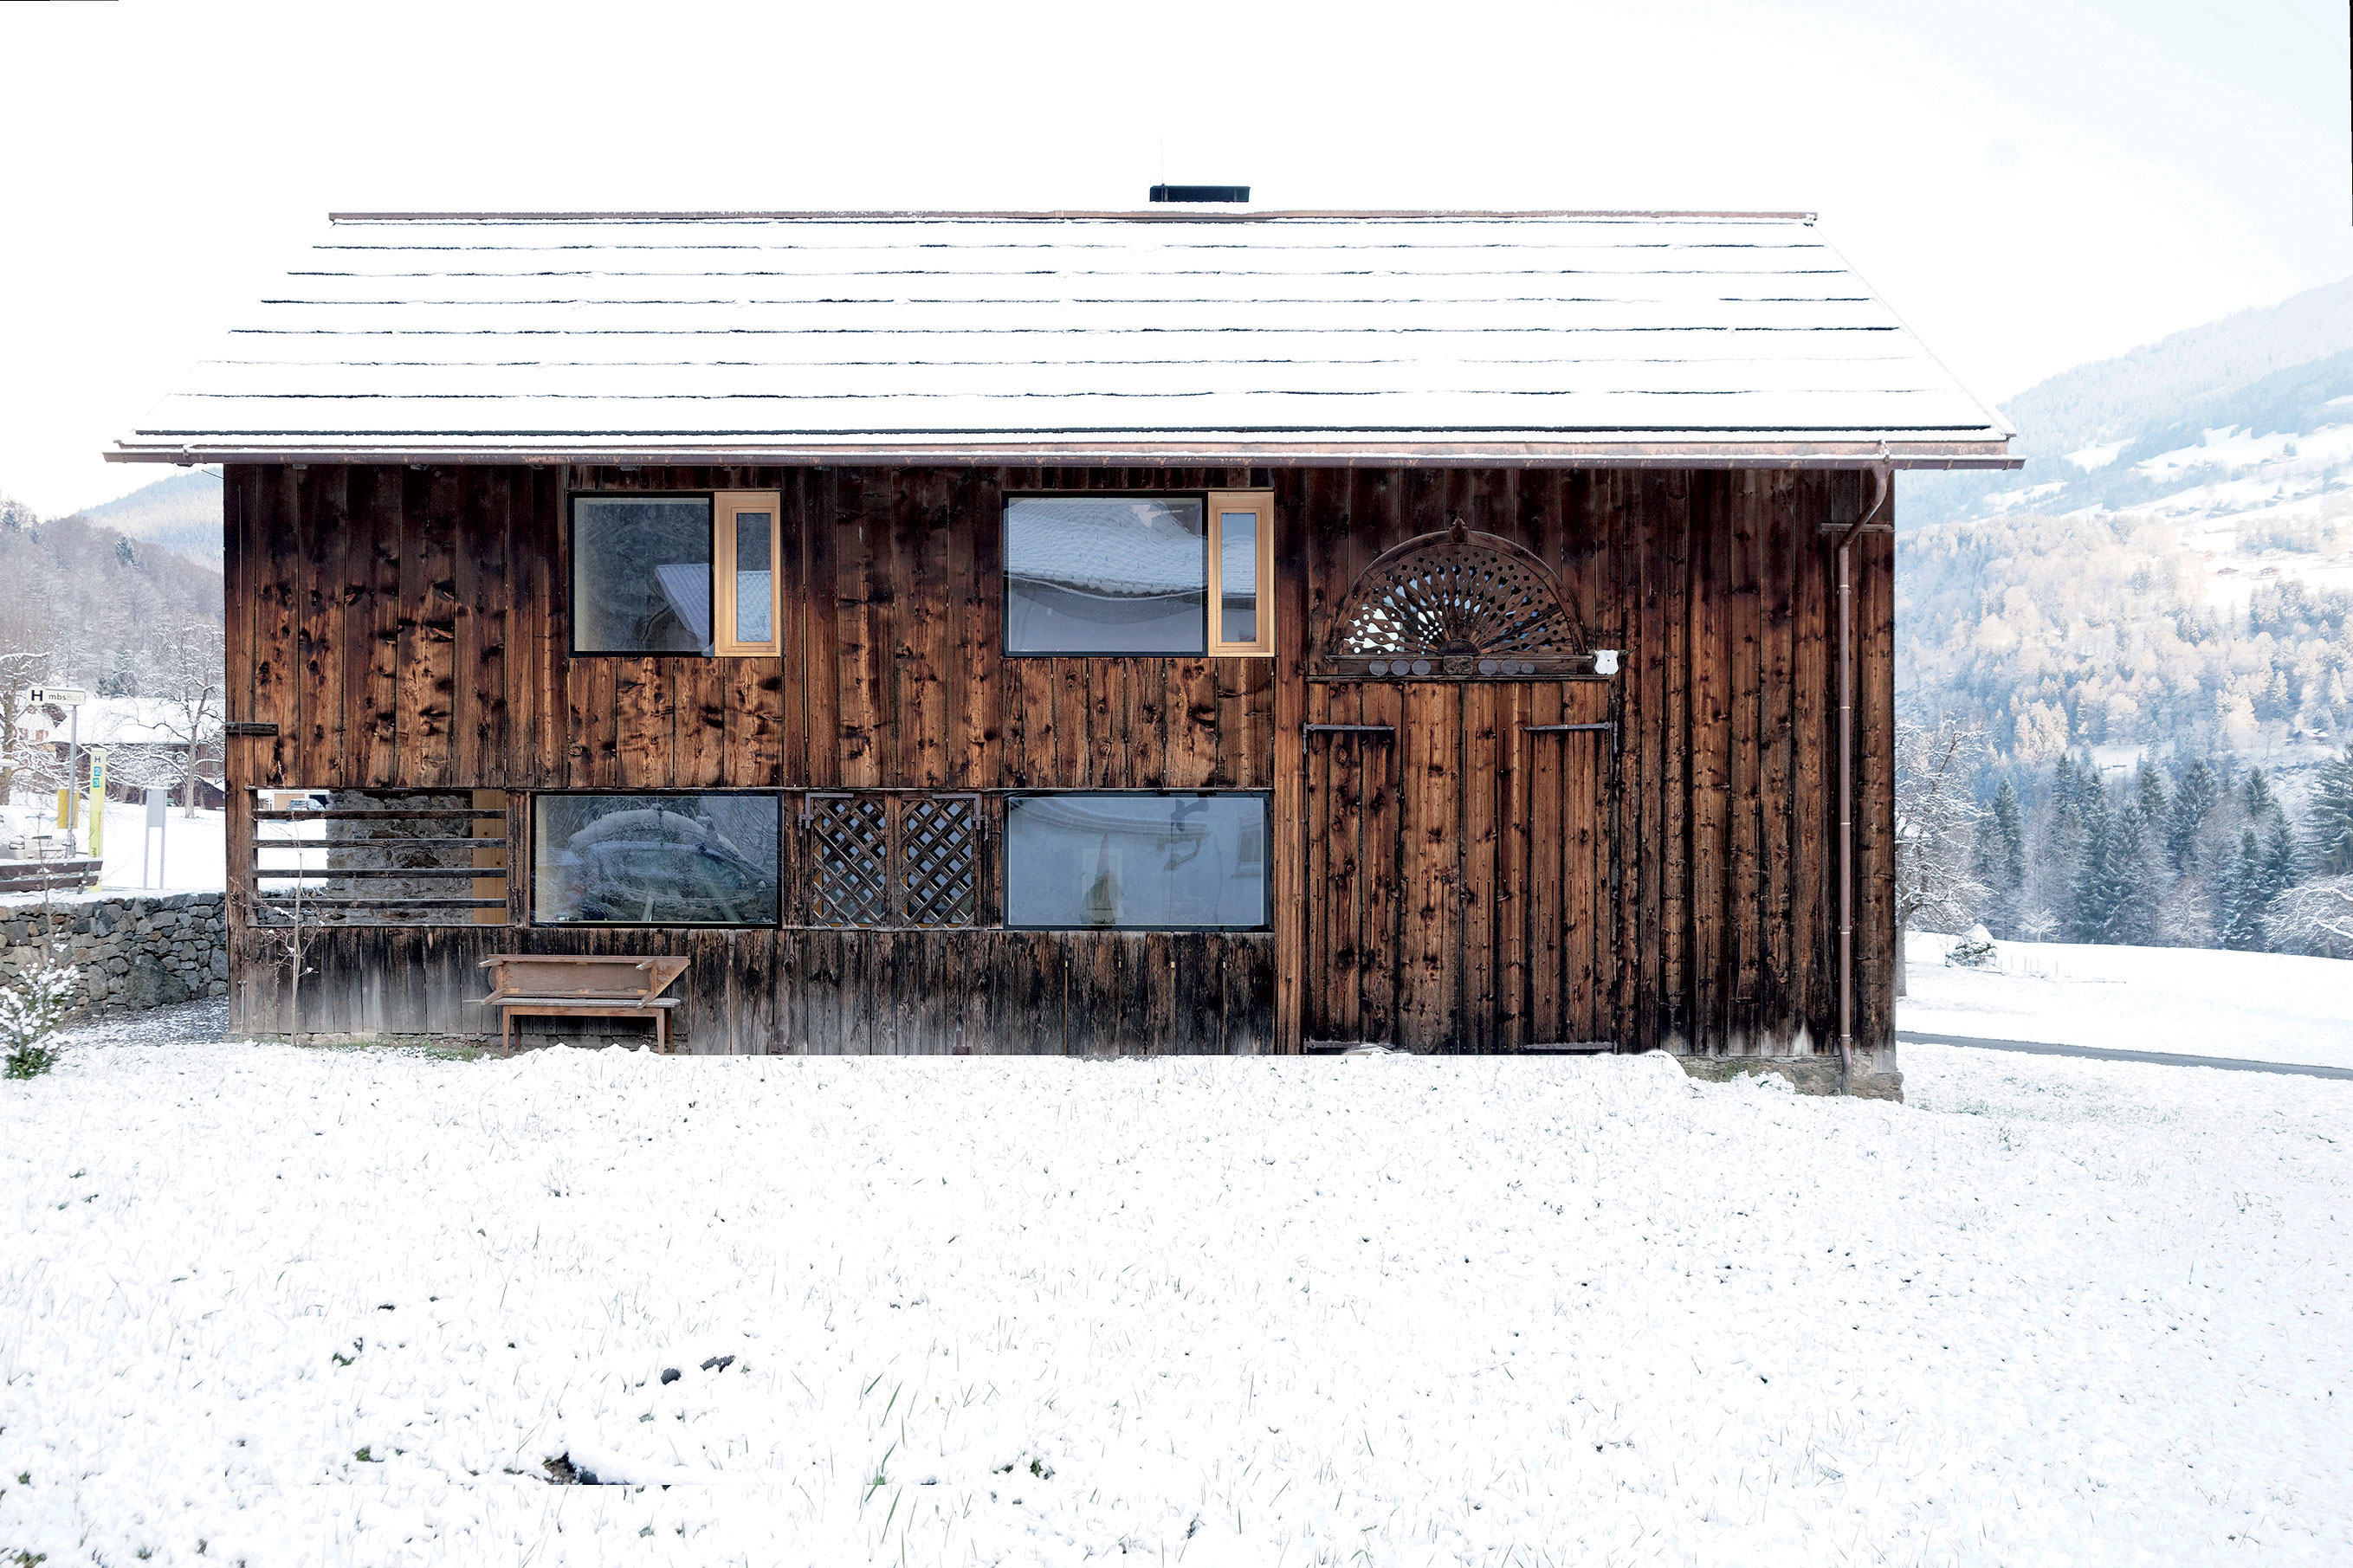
(548, 985)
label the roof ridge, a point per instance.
(1191, 214)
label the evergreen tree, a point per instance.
(2193, 803)
(2149, 790)
(2257, 797)
(2137, 885)
(1999, 862)
(2329, 828)
(2244, 897)
(2009, 837)
(2046, 898)
(2282, 863)
(2096, 887)
(2070, 786)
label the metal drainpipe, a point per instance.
(1883, 482)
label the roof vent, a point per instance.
(1201, 193)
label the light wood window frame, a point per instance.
(725, 505)
(1261, 504)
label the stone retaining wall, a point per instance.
(135, 950)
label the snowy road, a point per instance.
(2101, 1054)
(343, 1306)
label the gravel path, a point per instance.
(201, 1022)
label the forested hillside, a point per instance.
(85, 599)
(85, 605)
(180, 513)
(2189, 854)
(2109, 633)
(2127, 670)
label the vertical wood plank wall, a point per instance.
(408, 628)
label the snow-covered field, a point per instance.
(189, 854)
(334, 1306)
(2257, 1007)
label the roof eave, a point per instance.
(1180, 213)
(1767, 452)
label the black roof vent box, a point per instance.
(1201, 193)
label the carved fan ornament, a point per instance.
(1457, 602)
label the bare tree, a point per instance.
(181, 683)
(27, 654)
(1936, 816)
(2313, 917)
(284, 930)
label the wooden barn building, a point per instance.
(1189, 630)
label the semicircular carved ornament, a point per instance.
(1460, 603)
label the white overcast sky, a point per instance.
(2031, 183)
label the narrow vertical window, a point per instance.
(747, 542)
(1242, 572)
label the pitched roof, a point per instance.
(1068, 337)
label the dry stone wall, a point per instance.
(135, 950)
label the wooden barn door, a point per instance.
(1454, 845)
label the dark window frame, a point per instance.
(723, 643)
(1005, 578)
(1265, 797)
(530, 869)
(572, 600)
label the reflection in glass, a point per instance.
(641, 575)
(1238, 576)
(1115, 574)
(754, 606)
(655, 859)
(1133, 860)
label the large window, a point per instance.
(676, 574)
(1138, 574)
(1154, 861)
(655, 859)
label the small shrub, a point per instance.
(1974, 951)
(30, 1012)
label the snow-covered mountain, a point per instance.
(2141, 430)
(180, 513)
(2171, 572)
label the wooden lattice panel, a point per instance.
(1454, 596)
(849, 852)
(939, 859)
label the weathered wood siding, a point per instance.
(1710, 924)
(408, 628)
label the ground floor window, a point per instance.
(656, 859)
(1136, 861)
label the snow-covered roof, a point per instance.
(108, 721)
(1072, 337)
